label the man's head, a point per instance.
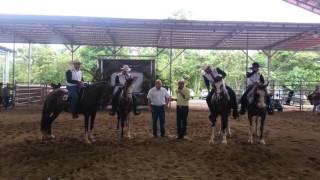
(76, 64)
(125, 69)
(255, 67)
(181, 84)
(158, 83)
(206, 68)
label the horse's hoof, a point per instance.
(262, 141)
(211, 141)
(250, 141)
(51, 136)
(87, 141)
(224, 142)
(92, 139)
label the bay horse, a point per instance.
(222, 102)
(257, 108)
(90, 100)
(124, 107)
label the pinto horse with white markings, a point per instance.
(90, 100)
(257, 108)
(222, 102)
(124, 107)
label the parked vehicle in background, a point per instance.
(203, 94)
(191, 93)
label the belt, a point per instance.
(181, 106)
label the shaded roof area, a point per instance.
(4, 49)
(310, 5)
(182, 34)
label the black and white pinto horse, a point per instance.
(124, 107)
(222, 102)
(257, 108)
(90, 100)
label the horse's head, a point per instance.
(103, 90)
(260, 95)
(220, 91)
(55, 86)
(128, 88)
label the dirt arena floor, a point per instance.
(292, 150)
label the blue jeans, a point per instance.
(73, 93)
(182, 115)
(158, 112)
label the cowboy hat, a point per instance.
(255, 64)
(125, 68)
(75, 62)
(205, 67)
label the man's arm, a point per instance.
(206, 82)
(261, 79)
(69, 78)
(220, 71)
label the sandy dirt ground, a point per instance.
(292, 150)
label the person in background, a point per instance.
(6, 95)
(158, 99)
(315, 98)
(183, 96)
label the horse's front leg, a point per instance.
(86, 128)
(118, 121)
(257, 125)
(224, 125)
(250, 130)
(213, 119)
(92, 119)
(128, 124)
(262, 141)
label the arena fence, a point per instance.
(289, 94)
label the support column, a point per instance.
(13, 59)
(247, 57)
(29, 72)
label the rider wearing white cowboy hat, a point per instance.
(74, 84)
(120, 80)
(211, 75)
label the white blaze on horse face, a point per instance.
(218, 86)
(261, 100)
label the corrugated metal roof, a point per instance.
(310, 5)
(182, 34)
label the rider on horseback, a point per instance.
(254, 78)
(120, 80)
(212, 75)
(74, 84)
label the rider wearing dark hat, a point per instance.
(253, 78)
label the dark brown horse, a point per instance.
(257, 108)
(222, 102)
(124, 107)
(90, 100)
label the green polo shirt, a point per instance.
(183, 101)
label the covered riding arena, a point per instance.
(292, 137)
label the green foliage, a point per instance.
(49, 65)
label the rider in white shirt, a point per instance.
(74, 84)
(254, 78)
(120, 80)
